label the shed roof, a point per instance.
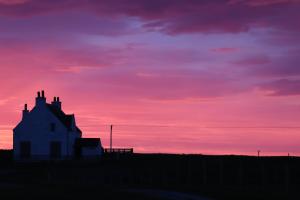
(87, 142)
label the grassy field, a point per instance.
(153, 176)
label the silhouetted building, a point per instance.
(46, 132)
(87, 147)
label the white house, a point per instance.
(46, 132)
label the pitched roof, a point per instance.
(64, 118)
(87, 142)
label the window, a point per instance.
(52, 127)
(55, 149)
(25, 149)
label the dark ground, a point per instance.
(152, 176)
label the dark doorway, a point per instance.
(25, 149)
(55, 150)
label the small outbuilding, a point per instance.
(88, 147)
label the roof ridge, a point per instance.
(62, 116)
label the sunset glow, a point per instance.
(172, 76)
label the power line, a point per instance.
(204, 127)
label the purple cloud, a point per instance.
(282, 87)
(283, 65)
(176, 16)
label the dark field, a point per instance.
(152, 176)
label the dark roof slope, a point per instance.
(87, 142)
(64, 118)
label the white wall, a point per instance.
(91, 151)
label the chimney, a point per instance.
(40, 100)
(56, 103)
(25, 112)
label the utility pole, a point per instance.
(111, 128)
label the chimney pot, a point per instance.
(56, 103)
(40, 101)
(25, 112)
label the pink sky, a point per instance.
(175, 76)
